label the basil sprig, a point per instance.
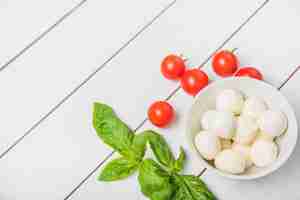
(159, 180)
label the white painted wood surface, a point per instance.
(39, 80)
(23, 21)
(59, 153)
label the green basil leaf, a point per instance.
(161, 149)
(111, 129)
(155, 182)
(179, 163)
(192, 188)
(117, 169)
(139, 145)
(101, 111)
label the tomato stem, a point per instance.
(234, 50)
(183, 57)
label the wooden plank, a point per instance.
(37, 83)
(22, 22)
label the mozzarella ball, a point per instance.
(254, 107)
(208, 144)
(246, 130)
(224, 125)
(273, 123)
(263, 152)
(226, 144)
(207, 119)
(245, 151)
(230, 161)
(230, 101)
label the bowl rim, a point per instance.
(237, 176)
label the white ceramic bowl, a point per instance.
(205, 100)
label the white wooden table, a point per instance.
(59, 56)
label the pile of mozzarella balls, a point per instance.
(240, 133)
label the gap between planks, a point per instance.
(172, 93)
(42, 35)
(89, 77)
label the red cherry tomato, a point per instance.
(172, 67)
(160, 113)
(193, 81)
(225, 63)
(250, 72)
